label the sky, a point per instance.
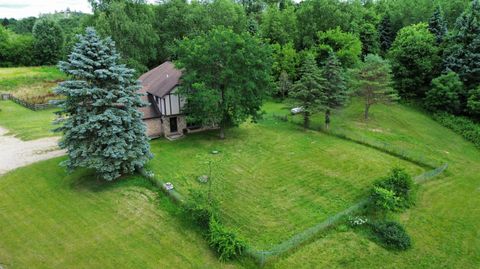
(25, 8)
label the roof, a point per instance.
(161, 80)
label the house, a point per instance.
(163, 114)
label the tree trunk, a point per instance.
(327, 119)
(367, 107)
(306, 120)
(222, 132)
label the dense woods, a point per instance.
(431, 46)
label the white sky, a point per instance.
(26, 8)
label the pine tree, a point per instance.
(308, 91)
(373, 80)
(386, 34)
(462, 54)
(103, 129)
(335, 90)
(437, 25)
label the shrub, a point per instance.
(473, 103)
(461, 125)
(391, 235)
(385, 199)
(224, 241)
(394, 192)
(445, 93)
(199, 208)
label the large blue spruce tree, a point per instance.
(103, 129)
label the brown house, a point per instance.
(163, 115)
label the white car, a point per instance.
(296, 110)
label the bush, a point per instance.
(385, 199)
(394, 192)
(473, 103)
(391, 235)
(224, 241)
(445, 93)
(200, 209)
(461, 125)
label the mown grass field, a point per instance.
(444, 224)
(32, 84)
(50, 219)
(25, 123)
(272, 179)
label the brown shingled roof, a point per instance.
(159, 82)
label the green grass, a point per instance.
(273, 179)
(32, 84)
(25, 123)
(443, 225)
(50, 219)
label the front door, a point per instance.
(173, 125)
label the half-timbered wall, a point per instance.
(170, 104)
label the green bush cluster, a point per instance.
(391, 235)
(224, 241)
(200, 209)
(394, 192)
(467, 128)
(204, 212)
(16, 50)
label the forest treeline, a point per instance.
(432, 46)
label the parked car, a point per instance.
(296, 110)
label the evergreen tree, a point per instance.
(48, 41)
(335, 89)
(462, 54)
(437, 25)
(386, 33)
(369, 38)
(372, 81)
(308, 91)
(103, 129)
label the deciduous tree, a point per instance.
(48, 41)
(415, 60)
(226, 77)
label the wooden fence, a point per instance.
(34, 107)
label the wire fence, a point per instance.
(263, 256)
(388, 148)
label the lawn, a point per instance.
(272, 179)
(50, 219)
(444, 224)
(32, 84)
(25, 123)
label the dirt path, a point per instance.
(15, 153)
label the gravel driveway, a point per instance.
(15, 153)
